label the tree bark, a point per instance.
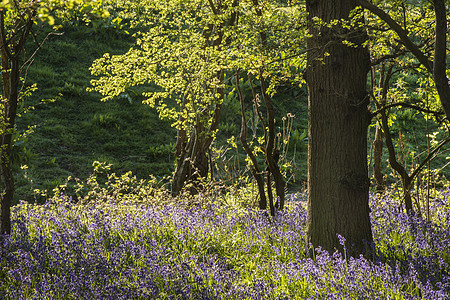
(6, 143)
(338, 183)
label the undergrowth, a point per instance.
(125, 238)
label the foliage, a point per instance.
(120, 248)
(17, 19)
(69, 128)
(403, 80)
(74, 128)
(172, 52)
(46, 11)
(187, 55)
(411, 81)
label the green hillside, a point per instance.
(74, 127)
(77, 128)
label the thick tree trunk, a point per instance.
(440, 56)
(338, 184)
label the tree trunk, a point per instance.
(338, 184)
(10, 73)
(377, 155)
(440, 56)
(256, 171)
(192, 165)
(400, 169)
(272, 153)
(10, 76)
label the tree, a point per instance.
(336, 75)
(271, 152)
(381, 103)
(17, 19)
(179, 50)
(433, 61)
(267, 50)
(414, 46)
(189, 52)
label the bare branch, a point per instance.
(418, 108)
(429, 157)
(40, 45)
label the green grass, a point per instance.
(78, 128)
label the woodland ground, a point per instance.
(139, 247)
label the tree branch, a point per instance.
(418, 108)
(403, 35)
(440, 56)
(213, 8)
(386, 57)
(429, 157)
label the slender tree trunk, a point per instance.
(406, 179)
(338, 184)
(256, 171)
(10, 75)
(10, 72)
(272, 153)
(377, 155)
